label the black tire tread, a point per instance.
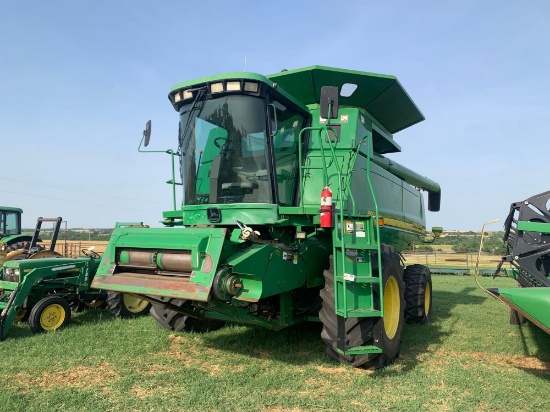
(416, 277)
(115, 305)
(359, 331)
(34, 316)
(178, 322)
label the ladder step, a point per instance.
(358, 279)
(361, 313)
(357, 246)
(362, 350)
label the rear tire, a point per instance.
(50, 313)
(384, 333)
(418, 294)
(123, 305)
(178, 322)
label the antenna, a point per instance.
(244, 63)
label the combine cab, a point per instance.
(290, 212)
(527, 239)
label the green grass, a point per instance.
(468, 359)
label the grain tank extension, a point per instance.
(290, 212)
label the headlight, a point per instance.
(11, 275)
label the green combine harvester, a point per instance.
(290, 212)
(527, 239)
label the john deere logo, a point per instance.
(213, 214)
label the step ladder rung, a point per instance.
(359, 279)
(361, 313)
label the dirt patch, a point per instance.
(155, 369)
(142, 392)
(527, 363)
(81, 377)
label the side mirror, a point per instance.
(329, 97)
(147, 133)
(434, 201)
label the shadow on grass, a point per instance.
(297, 345)
(21, 330)
(302, 344)
(542, 343)
(417, 338)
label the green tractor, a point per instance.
(38, 285)
(527, 240)
(290, 213)
(46, 291)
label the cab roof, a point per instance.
(379, 94)
(10, 209)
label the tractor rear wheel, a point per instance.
(383, 332)
(178, 322)
(124, 305)
(418, 294)
(50, 313)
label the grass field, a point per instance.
(468, 359)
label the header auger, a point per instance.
(252, 241)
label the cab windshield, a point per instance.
(226, 151)
(9, 223)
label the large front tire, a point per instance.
(124, 305)
(384, 332)
(418, 294)
(178, 322)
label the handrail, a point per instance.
(173, 180)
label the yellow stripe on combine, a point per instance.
(413, 227)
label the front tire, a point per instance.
(124, 305)
(383, 332)
(50, 313)
(172, 320)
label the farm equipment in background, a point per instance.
(290, 213)
(527, 240)
(15, 246)
(45, 291)
(42, 290)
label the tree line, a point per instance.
(462, 242)
(73, 234)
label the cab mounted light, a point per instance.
(177, 97)
(216, 87)
(233, 86)
(251, 87)
(187, 94)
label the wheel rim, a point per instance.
(392, 307)
(134, 304)
(52, 317)
(20, 315)
(427, 298)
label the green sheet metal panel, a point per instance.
(381, 95)
(534, 303)
(10, 209)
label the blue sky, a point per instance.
(79, 80)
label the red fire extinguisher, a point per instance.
(326, 208)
